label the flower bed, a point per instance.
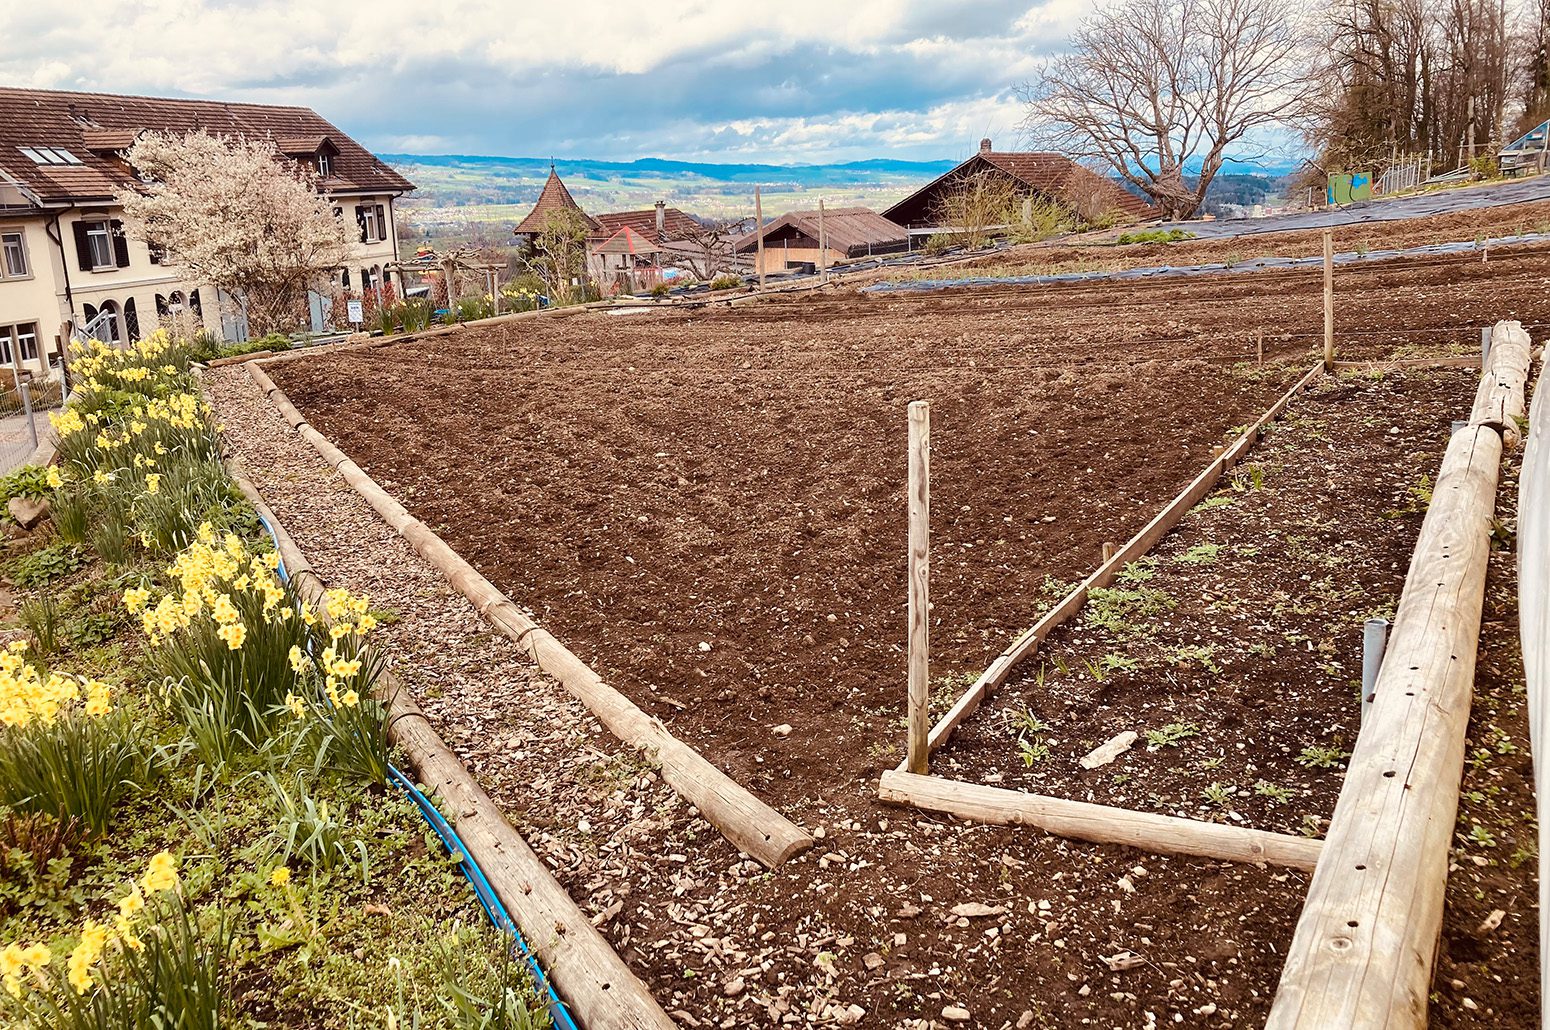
(196, 824)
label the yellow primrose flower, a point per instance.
(37, 956)
(11, 961)
(54, 479)
(136, 598)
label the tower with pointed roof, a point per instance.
(555, 197)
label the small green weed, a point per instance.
(1171, 735)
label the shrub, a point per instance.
(1155, 236)
(726, 281)
(661, 289)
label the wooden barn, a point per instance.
(792, 240)
(1051, 176)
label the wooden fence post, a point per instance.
(1329, 300)
(919, 661)
(758, 228)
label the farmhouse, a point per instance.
(793, 239)
(64, 254)
(1039, 175)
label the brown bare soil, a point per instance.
(708, 507)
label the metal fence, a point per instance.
(24, 411)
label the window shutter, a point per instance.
(382, 229)
(120, 243)
(360, 219)
(82, 247)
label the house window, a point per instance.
(370, 230)
(100, 244)
(25, 339)
(49, 156)
(325, 165)
(99, 240)
(13, 256)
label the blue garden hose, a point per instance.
(559, 1012)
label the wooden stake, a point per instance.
(823, 245)
(1109, 548)
(919, 661)
(1259, 346)
(758, 227)
(1329, 300)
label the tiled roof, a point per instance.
(555, 197)
(849, 229)
(89, 125)
(1053, 175)
(676, 225)
(627, 241)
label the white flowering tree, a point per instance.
(239, 215)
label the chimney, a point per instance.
(661, 218)
(985, 145)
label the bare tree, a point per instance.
(238, 215)
(708, 247)
(1152, 87)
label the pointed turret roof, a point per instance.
(555, 197)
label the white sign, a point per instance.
(356, 316)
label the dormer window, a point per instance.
(325, 165)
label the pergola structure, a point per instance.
(460, 259)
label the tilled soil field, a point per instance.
(708, 507)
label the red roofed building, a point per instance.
(555, 197)
(1052, 176)
(64, 254)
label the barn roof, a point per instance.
(555, 197)
(1052, 175)
(79, 133)
(849, 229)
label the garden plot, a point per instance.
(1233, 649)
(537, 449)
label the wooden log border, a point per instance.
(756, 828)
(1149, 831)
(588, 974)
(997, 672)
(1364, 947)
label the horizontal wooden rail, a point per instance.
(997, 672)
(1148, 831)
(586, 971)
(756, 828)
(1365, 944)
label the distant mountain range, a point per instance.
(464, 194)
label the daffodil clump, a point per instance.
(136, 443)
(65, 750)
(150, 965)
(238, 650)
(29, 965)
(27, 697)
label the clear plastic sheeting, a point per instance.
(1349, 257)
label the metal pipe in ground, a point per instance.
(1375, 641)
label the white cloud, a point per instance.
(813, 76)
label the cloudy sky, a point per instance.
(780, 80)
